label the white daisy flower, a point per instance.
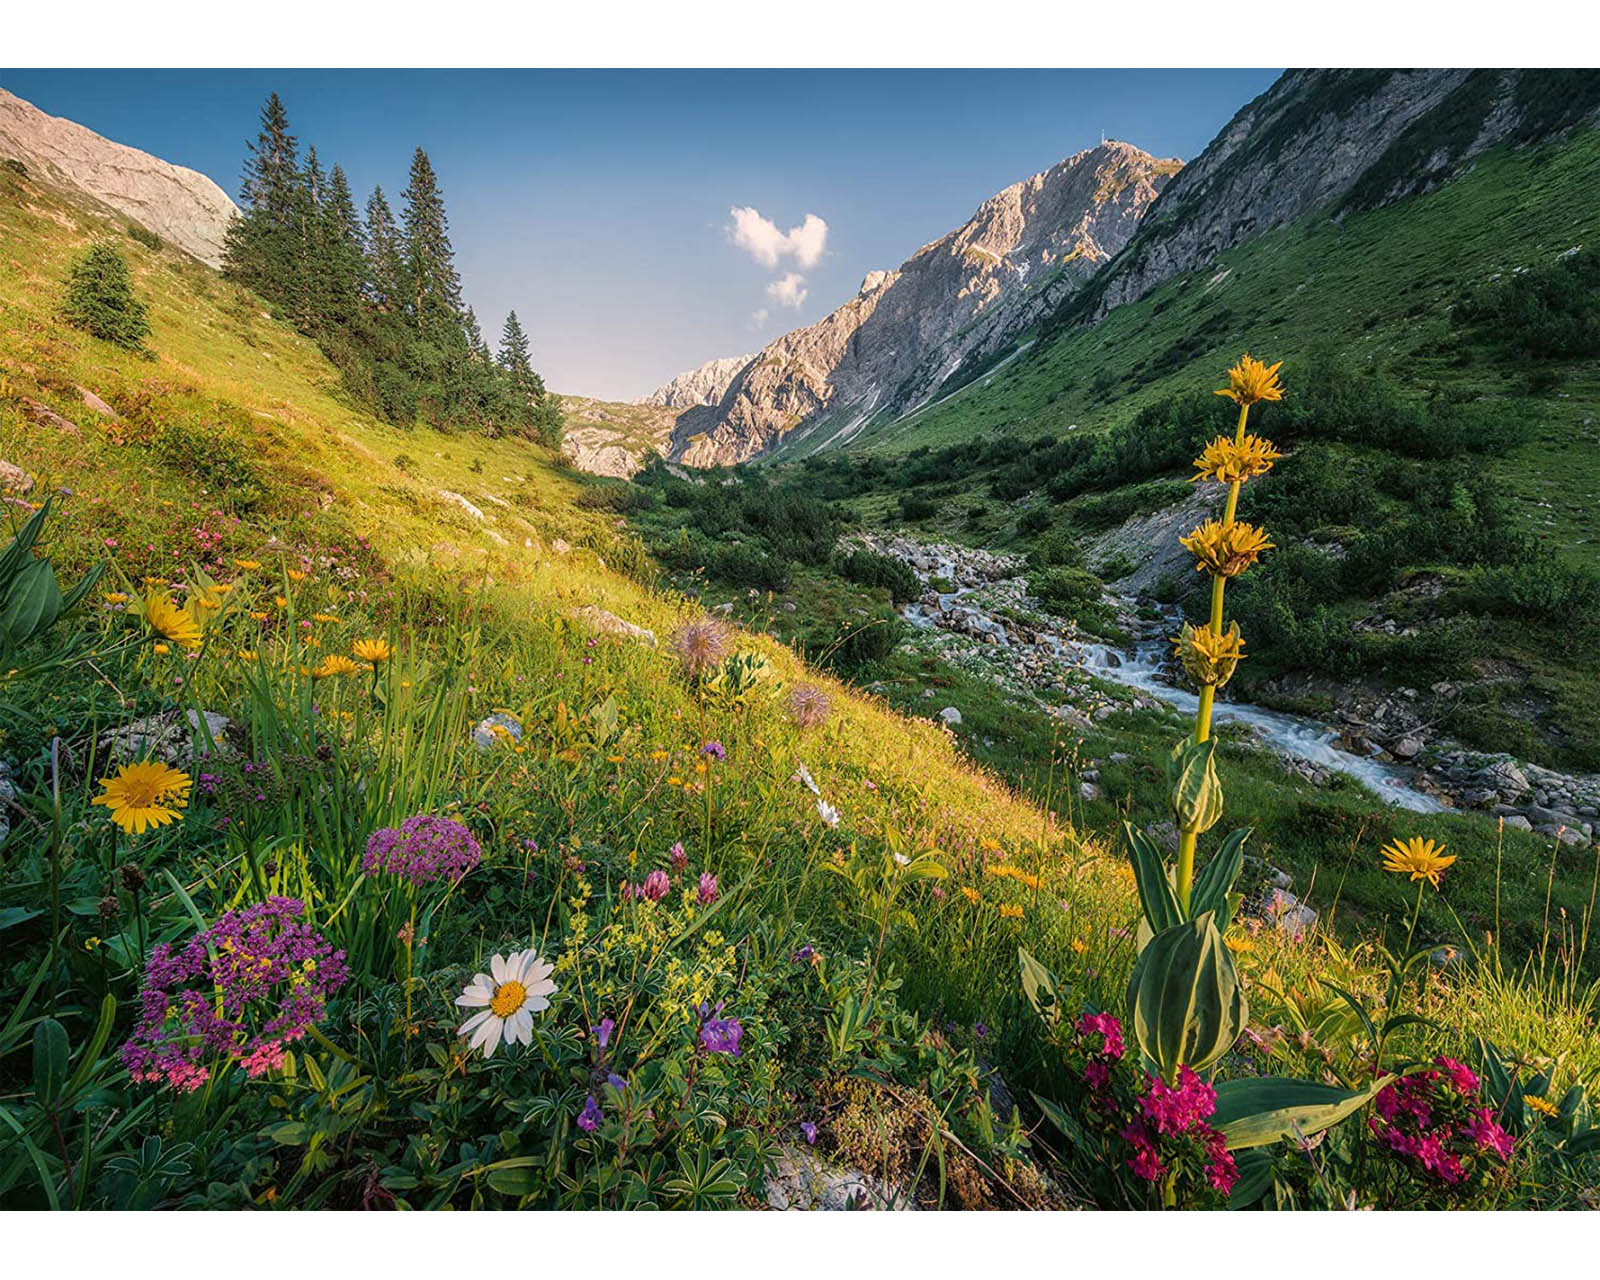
(828, 813)
(803, 775)
(515, 988)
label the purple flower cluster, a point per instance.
(715, 750)
(422, 849)
(707, 892)
(655, 887)
(1434, 1121)
(252, 983)
(719, 1034)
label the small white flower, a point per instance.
(828, 813)
(507, 997)
(902, 859)
(803, 775)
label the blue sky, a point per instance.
(597, 203)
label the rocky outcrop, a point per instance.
(953, 305)
(184, 208)
(1337, 140)
(705, 385)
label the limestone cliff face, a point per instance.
(1334, 140)
(960, 299)
(705, 385)
(181, 206)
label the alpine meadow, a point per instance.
(1105, 716)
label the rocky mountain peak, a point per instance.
(958, 300)
(701, 386)
(183, 207)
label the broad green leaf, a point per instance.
(1258, 1111)
(1039, 985)
(1184, 998)
(1196, 789)
(50, 1053)
(1213, 887)
(1160, 904)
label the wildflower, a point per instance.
(590, 1117)
(422, 849)
(1420, 859)
(807, 705)
(1233, 461)
(116, 599)
(1486, 1133)
(335, 664)
(1108, 1028)
(1541, 1105)
(701, 645)
(714, 750)
(1459, 1074)
(1209, 658)
(1251, 381)
(803, 955)
(803, 776)
(1226, 549)
(707, 893)
(616, 1081)
(372, 652)
(1174, 1110)
(810, 1131)
(719, 1034)
(161, 648)
(1079, 946)
(679, 858)
(507, 997)
(144, 795)
(247, 565)
(969, 893)
(166, 619)
(1007, 911)
(656, 886)
(602, 1031)
(324, 617)
(827, 813)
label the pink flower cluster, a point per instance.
(1164, 1125)
(658, 884)
(422, 849)
(248, 986)
(1434, 1122)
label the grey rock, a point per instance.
(13, 479)
(1407, 748)
(168, 736)
(1518, 823)
(950, 715)
(602, 620)
(499, 728)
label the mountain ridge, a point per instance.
(181, 205)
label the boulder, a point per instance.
(603, 620)
(1407, 748)
(13, 479)
(950, 715)
(168, 736)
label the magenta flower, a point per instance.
(422, 849)
(590, 1117)
(708, 889)
(679, 858)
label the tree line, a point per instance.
(380, 294)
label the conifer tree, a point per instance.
(101, 301)
(435, 288)
(263, 243)
(516, 356)
(385, 264)
(345, 261)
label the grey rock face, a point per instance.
(183, 207)
(958, 300)
(704, 385)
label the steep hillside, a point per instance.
(1021, 254)
(181, 206)
(607, 438)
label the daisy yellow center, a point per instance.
(507, 999)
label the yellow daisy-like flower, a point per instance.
(295, 575)
(1207, 657)
(324, 617)
(1009, 912)
(207, 601)
(969, 893)
(335, 664)
(166, 619)
(258, 615)
(372, 651)
(1226, 550)
(247, 655)
(1420, 859)
(1079, 946)
(115, 597)
(1250, 381)
(144, 795)
(248, 565)
(1542, 1105)
(1230, 460)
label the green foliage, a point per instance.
(1547, 312)
(100, 299)
(149, 239)
(1067, 592)
(31, 600)
(871, 569)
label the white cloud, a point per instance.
(759, 319)
(761, 239)
(788, 290)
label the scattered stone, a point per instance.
(1165, 834)
(45, 416)
(1089, 791)
(168, 736)
(96, 403)
(950, 715)
(560, 546)
(603, 620)
(1407, 748)
(801, 1179)
(8, 796)
(1519, 823)
(13, 479)
(499, 728)
(449, 495)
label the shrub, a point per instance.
(101, 302)
(213, 456)
(1548, 312)
(750, 567)
(148, 238)
(1034, 521)
(1065, 591)
(913, 508)
(870, 569)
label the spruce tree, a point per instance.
(345, 261)
(263, 243)
(385, 263)
(100, 299)
(516, 355)
(435, 288)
